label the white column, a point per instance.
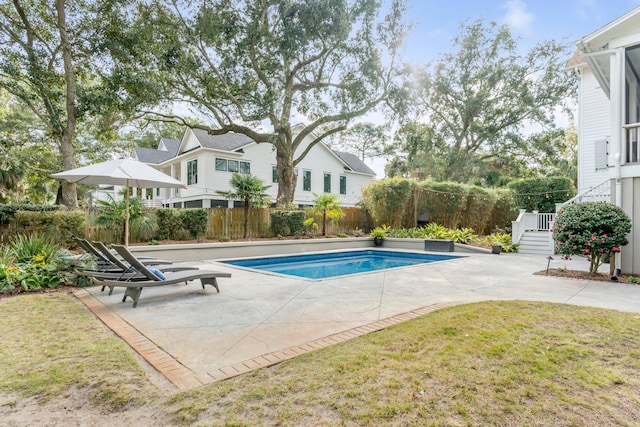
(617, 99)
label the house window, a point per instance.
(343, 184)
(158, 192)
(327, 183)
(245, 167)
(233, 166)
(192, 172)
(274, 174)
(306, 180)
(221, 165)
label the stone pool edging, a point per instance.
(211, 251)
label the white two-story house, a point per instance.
(608, 65)
(206, 163)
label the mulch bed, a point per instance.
(18, 291)
(584, 275)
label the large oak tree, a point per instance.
(259, 67)
(49, 56)
(479, 103)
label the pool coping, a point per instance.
(445, 257)
(183, 378)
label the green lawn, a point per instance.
(492, 363)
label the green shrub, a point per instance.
(195, 222)
(445, 202)
(287, 223)
(388, 200)
(502, 214)
(61, 225)
(592, 229)
(24, 248)
(169, 223)
(32, 262)
(541, 193)
(7, 212)
(396, 201)
(435, 231)
(502, 239)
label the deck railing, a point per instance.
(531, 221)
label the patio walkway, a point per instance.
(195, 337)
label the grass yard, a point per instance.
(491, 363)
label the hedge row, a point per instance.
(60, 226)
(400, 202)
(287, 223)
(7, 212)
(174, 224)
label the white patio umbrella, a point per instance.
(125, 172)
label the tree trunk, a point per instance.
(324, 222)
(69, 192)
(286, 178)
(247, 205)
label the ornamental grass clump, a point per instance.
(32, 262)
(591, 229)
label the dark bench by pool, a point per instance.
(438, 245)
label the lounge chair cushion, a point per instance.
(158, 273)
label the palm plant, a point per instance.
(251, 190)
(113, 211)
(329, 207)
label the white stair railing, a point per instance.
(531, 221)
(599, 193)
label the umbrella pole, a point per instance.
(126, 215)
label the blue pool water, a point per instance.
(321, 266)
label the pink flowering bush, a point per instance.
(591, 229)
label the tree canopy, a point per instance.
(257, 68)
(479, 102)
(49, 62)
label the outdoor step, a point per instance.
(534, 242)
(530, 251)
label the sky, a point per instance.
(436, 23)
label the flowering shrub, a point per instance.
(591, 229)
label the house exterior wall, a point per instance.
(262, 159)
(631, 205)
(593, 125)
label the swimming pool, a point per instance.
(322, 266)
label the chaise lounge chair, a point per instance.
(127, 271)
(134, 287)
(105, 264)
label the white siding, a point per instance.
(262, 158)
(594, 123)
(189, 142)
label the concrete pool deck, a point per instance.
(195, 337)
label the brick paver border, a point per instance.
(184, 378)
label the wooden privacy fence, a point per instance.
(228, 223)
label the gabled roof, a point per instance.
(354, 162)
(172, 145)
(621, 26)
(156, 156)
(226, 142)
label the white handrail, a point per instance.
(531, 221)
(598, 193)
(517, 227)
